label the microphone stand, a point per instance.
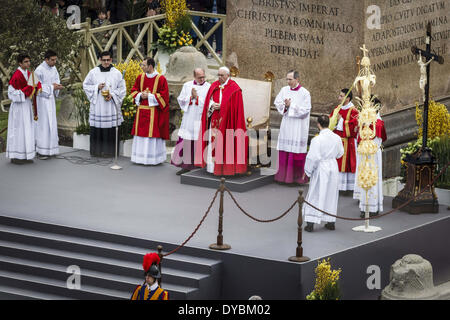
(116, 166)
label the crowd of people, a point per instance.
(106, 12)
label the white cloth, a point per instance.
(192, 116)
(376, 192)
(322, 168)
(20, 143)
(340, 124)
(151, 97)
(102, 113)
(294, 126)
(148, 150)
(46, 128)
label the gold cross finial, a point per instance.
(365, 50)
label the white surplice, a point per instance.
(322, 168)
(192, 109)
(294, 126)
(376, 192)
(20, 143)
(46, 128)
(102, 113)
(148, 151)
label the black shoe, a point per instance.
(362, 215)
(17, 161)
(330, 226)
(180, 172)
(309, 227)
(373, 214)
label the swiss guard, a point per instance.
(150, 289)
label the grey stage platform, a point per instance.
(149, 202)
(241, 183)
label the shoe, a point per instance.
(180, 172)
(373, 214)
(330, 226)
(17, 161)
(309, 227)
(42, 157)
(362, 215)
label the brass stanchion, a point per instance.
(299, 252)
(160, 262)
(220, 245)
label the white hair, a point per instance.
(225, 69)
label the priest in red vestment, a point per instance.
(222, 146)
(151, 125)
(347, 129)
(22, 90)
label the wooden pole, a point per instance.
(299, 251)
(220, 245)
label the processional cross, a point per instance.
(424, 81)
(418, 195)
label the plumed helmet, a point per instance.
(151, 260)
(154, 272)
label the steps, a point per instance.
(34, 259)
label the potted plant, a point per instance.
(327, 282)
(130, 70)
(174, 33)
(81, 114)
(438, 140)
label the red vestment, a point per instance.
(347, 163)
(152, 121)
(229, 139)
(19, 82)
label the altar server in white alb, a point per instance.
(105, 89)
(22, 90)
(294, 104)
(191, 101)
(322, 168)
(46, 128)
(376, 192)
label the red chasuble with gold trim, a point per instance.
(229, 140)
(19, 82)
(347, 163)
(152, 121)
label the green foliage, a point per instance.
(25, 28)
(81, 115)
(441, 150)
(129, 110)
(183, 23)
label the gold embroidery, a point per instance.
(344, 157)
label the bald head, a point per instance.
(199, 75)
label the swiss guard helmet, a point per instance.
(150, 265)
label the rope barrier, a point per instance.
(196, 229)
(256, 219)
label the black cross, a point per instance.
(428, 56)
